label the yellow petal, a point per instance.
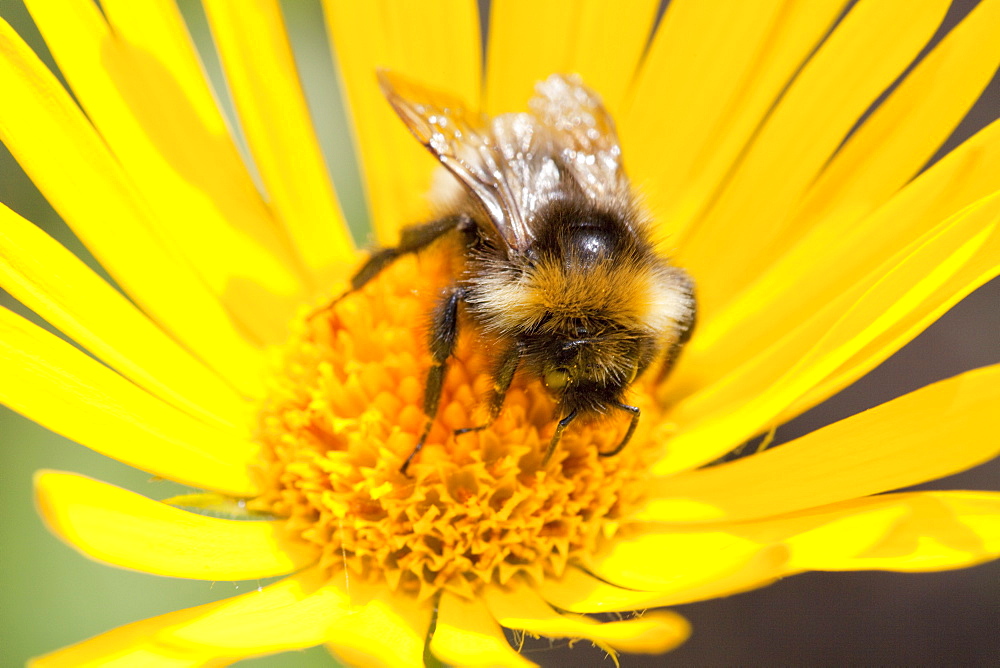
(580, 592)
(179, 157)
(123, 528)
(707, 83)
(940, 530)
(467, 635)
(826, 262)
(260, 71)
(728, 557)
(904, 132)
(842, 245)
(51, 382)
(524, 609)
(935, 431)
(864, 54)
(884, 306)
(59, 149)
(674, 558)
(600, 41)
(297, 609)
(128, 646)
(906, 532)
(390, 630)
(977, 272)
(55, 284)
(108, 651)
(436, 44)
(300, 611)
(914, 531)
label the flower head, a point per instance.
(818, 242)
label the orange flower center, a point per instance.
(345, 410)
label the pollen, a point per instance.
(345, 409)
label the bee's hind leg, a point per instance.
(443, 335)
(412, 240)
(503, 376)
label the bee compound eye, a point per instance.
(556, 379)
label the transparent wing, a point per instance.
(584, 133)
(464, 143)
(516, 164)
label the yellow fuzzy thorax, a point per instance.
(613, 292)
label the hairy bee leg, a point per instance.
(503, 376)
(634, 410)
(560, 428)
(412, 239)
(443, 335)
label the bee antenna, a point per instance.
(634, 410)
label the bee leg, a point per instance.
(443, 335)
(560, 428)
(503, 376)
(634, 410)
(412, 240)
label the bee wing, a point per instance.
(585, 134)
(466, 145)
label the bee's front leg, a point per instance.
(443, 336)
(412, 240)
(503, 376)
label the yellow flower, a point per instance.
(819, 249)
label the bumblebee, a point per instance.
(557, 269)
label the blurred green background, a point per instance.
(51, 596)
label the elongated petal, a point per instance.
(54, 283)
(260, 70)
(907, 291)
(937, 430)
(524, 609)
(123, 528)
(176, 155)
(72, 166)
(436, 44)
(901, 332)
(842, 244)
(99, 652)
(941, 530)
(389, 630)
(294, 613)
(300, 611)
(581, 592)
(832, 533)
(467, 635)
(708, 82)
(600, 41)
(904, 532)
(696, 556)
(826, 262)
(133, 645)
(903, 133)
(56, 385)
(823, 103)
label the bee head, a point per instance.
(591, 370)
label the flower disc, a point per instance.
(345, 410)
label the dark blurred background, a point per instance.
(51, 596)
